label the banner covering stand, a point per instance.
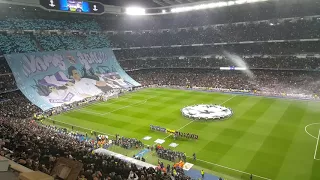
(51, 79)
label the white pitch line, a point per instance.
(193, 120)
(102, 114)
(130, 105)
(231, 168)
(228, 99)
(79, 108)
(122, 99)
(315, 152)
(82, 127)
(305, 129)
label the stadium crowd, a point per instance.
(304, 28)
(282, 29)
(38, 147)
(266, 62)
(7, 83)
(16, 105)
(300, 83)
(286, 67)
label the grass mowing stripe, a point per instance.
(268, 135)
(315, 175)
(222, 143)
(273, 150)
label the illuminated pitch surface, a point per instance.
(265, 136)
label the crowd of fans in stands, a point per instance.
(21, 43)
(282, 62)
(38, 147)
(45, 24)
(15, 104)
(285, 29)
(257, 31)
(274, 82)
(7, 83)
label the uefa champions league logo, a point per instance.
(206, 112)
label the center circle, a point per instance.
(206, 112)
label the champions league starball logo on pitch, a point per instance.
(206, 112)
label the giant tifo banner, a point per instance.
(50, 79)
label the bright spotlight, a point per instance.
(135, 11)
(163, 11)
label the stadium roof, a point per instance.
(148, 3)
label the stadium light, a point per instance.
(163, 11)
(135, 11)
(213, 5)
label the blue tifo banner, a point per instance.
(50, 79)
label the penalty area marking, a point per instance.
(315, 152)
(130, 105)
(81, 127)
(317, 138)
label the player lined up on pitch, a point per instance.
(128, 143)
(170, 155)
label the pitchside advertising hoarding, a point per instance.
(51, 79)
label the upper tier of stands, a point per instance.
(42, 24)
(27, 38)
(23, 43)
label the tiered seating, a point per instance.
(37, 24)
(73, 42)
(97, 41)
(23, 43)
(50, 42)
(17, 43)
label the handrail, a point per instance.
(15, 166)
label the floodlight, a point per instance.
(135, 11)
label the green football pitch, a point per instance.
(268, 137)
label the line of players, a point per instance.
(178, 134)
(175, 134)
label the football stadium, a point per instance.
(159, 90)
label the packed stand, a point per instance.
(44, 24)
(38, 147)
(272, 62)
(72, 42)
(4, 67)
(22, 43)
(17, 43)
(50, 42)
(304, 28)
(259, 49)
(7, 83)
(304, 83)
(14, 104)
(96, 41)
